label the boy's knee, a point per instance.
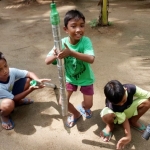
(145, 104)
(148, 104)
(7, 105)
(87, 105)
(109, 118)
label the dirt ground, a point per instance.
(122, 53)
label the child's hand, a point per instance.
(55, 52)
(44, 80)
(36, 87)
(65, 53)
(40, 84)
(122, 142)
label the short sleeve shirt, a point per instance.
(78, 72)
(133, 92)
(6, 87)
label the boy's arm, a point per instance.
(84, 57)
(29, 89)
(19, 96)
(140, 93)
(50, 59)
(32, 75)
(23, 94)
(51, 56)
(125, 140)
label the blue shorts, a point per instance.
(86, 90)
(19, 86)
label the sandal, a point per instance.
(73, 121)
(106, 135)
(26, 101)
(9, 123)
(86, 113)
(141, 129)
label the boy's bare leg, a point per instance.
(142, 109)
(72, 109)
(87, 102)
(7, 106)
(27, 85)
(109, 120)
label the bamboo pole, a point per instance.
(55, 22)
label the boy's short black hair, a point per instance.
(114, 91)
(73, 14)
(2, 56)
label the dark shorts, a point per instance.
(86, 90)
(19, 86)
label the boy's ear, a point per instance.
(65, 29)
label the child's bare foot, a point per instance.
(86, 113)
(25, 101)
(7, 123)
(138, 126)
(72, 120)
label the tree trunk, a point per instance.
(103, 17)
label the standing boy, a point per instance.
(78, 54)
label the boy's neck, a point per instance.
(2, 80)
(72, 41)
